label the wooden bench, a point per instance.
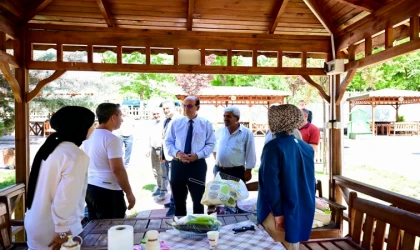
(412, 128)
(370, 222)
(332, 230)
(6, 231)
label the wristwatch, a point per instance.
(62, 235)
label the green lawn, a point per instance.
(7, 178)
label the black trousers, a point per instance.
(180, 185)
(105, 203)
(236, 172)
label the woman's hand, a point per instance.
(56, 242)
(279, 220)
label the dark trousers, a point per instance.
(180, 184)
(236, 172)
(105, 203)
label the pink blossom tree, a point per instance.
(192, 83)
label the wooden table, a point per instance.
(334, 243)
(94, 235)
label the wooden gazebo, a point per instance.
(393, 97)
(250, 96)
(302, 29)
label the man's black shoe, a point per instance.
(171, 212)
(167, 205)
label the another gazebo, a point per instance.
(393, 97)
(228, 95)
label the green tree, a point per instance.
(7, 111)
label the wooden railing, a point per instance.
(395, 199)
(14, 197)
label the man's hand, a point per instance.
(131, 200)
(191, 157)
(279, 220)
(248, 174)
(181, 156)
(56, 242)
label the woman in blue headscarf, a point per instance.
(286, 185)
(58, 181)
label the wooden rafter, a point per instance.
(183, 40)
(9, 59)
(14, 84)
(366, 5)
(320, 16)
(280, 8)
(39, 6)
(387, 54)
(11, 8)
(191, 4)
(106, 13)
(181, 69)
(9, 28)
(391, 14)
(317, 86)
(42, 83)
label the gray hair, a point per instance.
(234, 110)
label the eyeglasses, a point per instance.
(188, 106)
(156, 114)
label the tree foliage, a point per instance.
(192, 83)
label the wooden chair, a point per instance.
(332, 230)
(47, 129)
(6, 228)
(369, 222)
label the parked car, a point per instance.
(134, 103)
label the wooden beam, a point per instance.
(318, 87)
(191, 4)
(414, 28)
(349, 77)
(389, 37)
(391, 14)
(184, 40)
(387, 54)
(368, 46)
(31, 95)
(203, 57)
(365, 5)
(14, 85)
(2, 41)
(106, 13)
(281, 6)
(9, 59)
(148, 55)
(11, 8)
(119, 55)
(90, 53)
(9, 28)
(324, 20)
(59, 52)
(175, 53)
(39, 6)
(229, 57)
(279, 58)
(304, 59)
(182, 69)
(254, 58)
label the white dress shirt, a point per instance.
(236, 149)
(155, 136)
(203, 139)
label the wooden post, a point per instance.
(254, 58)
(279, 59)
(203, 57)
(119, 54)
(335, 141)
(90, 53)
(175, 56)
(229, 57)
(21, 126)
(148, 51)
(304, 59)
(59, 52)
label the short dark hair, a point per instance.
(104, 111)
(305, 111)
(302, 101)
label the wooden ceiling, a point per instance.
(292, 17)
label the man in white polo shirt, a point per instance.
(235, 147)
(107, 179)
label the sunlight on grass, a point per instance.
(7, 178)
(149, 187)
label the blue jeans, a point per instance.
(128, 145)
(168, 171)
